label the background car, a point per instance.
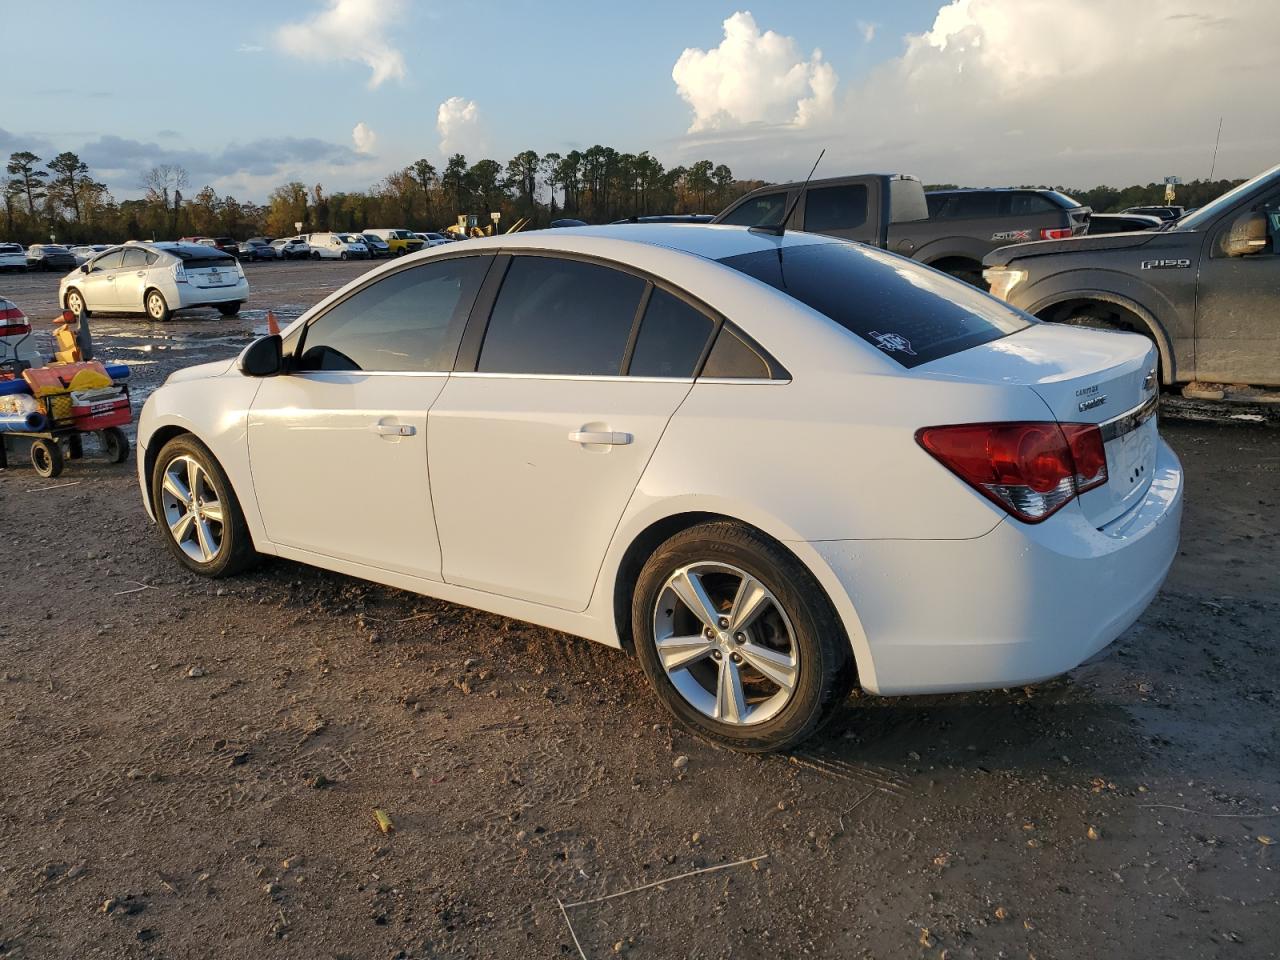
(49, 256)
(430, 239)
(291, 248)
(377, 246)
(670, 218)
(1121, 223)
(400, 241)
(13, 257)
(337, 246)
(257, 248)
(581, 429)
(156, 279)
(1163, 211)
(87, 251)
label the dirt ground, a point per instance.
(190, 769)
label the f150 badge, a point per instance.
(1178, 264)
(889, 342)
(1014, 235)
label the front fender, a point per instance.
(216, 411)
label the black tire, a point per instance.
(343, 255)
(46, 457)
(229, 309)
(75, 295)
(156, 307)
(826, 668)
(315, 254)
(115, 444)
(236, 552)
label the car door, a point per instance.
(338, 443)
(98, 286)
(1238, 305)
(131, 277)
(540, 435)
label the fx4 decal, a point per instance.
(1178, 264)
(1014, 235)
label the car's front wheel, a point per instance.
(157, 307)
(738, 639)
(75, 303)
(197, 512)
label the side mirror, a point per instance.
(1248, 234)
(264, 357)
(84, 268)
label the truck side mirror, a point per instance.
(1248, 234)
(263, 358)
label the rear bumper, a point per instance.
(1021, 604)
(189, 296)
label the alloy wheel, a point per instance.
(725, 643)
(192, 511)
(74, 303)
(155, 305)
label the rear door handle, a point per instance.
(394, 429)
(612, 438)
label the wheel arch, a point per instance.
(655, 532)
(1125, 312)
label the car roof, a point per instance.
(712, 241)
(930, 193)
(183, 250)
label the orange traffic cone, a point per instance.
(272, 326)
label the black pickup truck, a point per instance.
(892, 211)
(1205, 286)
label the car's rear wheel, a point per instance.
(315, 255)
(75, 303)
(737, 638)
(197, 511)
(343, 255)
(157, 307)
(229, 309)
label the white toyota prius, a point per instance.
(773, 466)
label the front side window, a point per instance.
(407, 322)
(108, 261)
(835, 208)
(909, 312)
(557, 316)
(766, 210)
(671, 338)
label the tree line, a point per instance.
(61, 198)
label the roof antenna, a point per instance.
(781, 228)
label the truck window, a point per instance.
(765, 210)
(841, 207)
(906, 200)
(964, 206)
(910, 312)
(1025, 204)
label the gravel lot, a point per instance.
(190, 769)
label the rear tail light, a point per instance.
(1032, 470)
(1055, 233)
(179, 273)
(13, 322)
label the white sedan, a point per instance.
(155, 279)
(772, 466)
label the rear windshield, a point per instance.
(911, 312)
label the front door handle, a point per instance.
(611, 437)
(394, 429)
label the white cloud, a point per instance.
(1073, 92)
(249, 48)
(868, 31)
(365, 140)
(753, 77)
(350, 30)
(459, 126)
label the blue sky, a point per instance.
(961, 90)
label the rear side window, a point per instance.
(909, 312)
(671, 339)
(133, 257)
(1025, 204)
(835, 208)
(762, 211)
(408, 322)
(964, 206)
(732, 358)
(556, 316)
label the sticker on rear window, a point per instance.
(891, 342)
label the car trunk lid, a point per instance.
(1083, 376)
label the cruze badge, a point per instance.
(1092, 402)
(889, 342)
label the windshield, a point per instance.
(348, 238)
(1209, 212)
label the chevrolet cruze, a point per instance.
(771, 466)
(155, 279)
